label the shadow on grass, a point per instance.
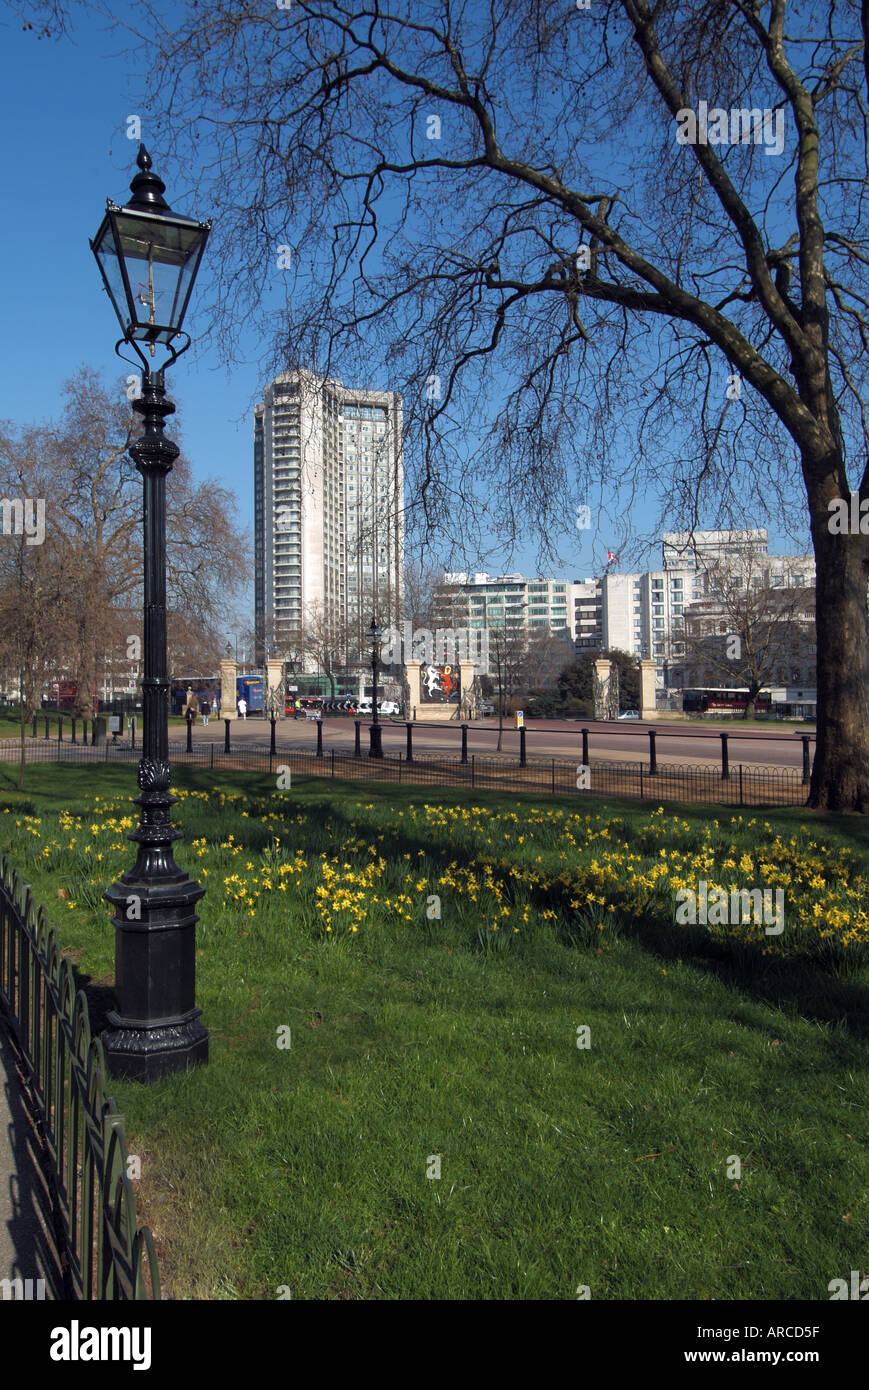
(811, 988)
(808, 987)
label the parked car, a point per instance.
(363, 706)
(630, 714)
(388, 707)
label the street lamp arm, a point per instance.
(175, 353)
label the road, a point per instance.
(548, 738)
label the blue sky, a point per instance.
(64, 109)
(65, 106)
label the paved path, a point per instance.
(677, 743)
(27, 1248)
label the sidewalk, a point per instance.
(27, 1246)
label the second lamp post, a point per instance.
(375, 635)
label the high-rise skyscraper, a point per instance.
(328, 512)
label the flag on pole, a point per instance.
(611, 557)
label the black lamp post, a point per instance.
(375, 636)
(148, 257)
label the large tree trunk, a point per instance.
(840, 777)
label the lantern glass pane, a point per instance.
(107, 257)
(161, 258)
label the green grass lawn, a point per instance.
(413, 1038)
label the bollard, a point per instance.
(464, 743)
(60, 728)
(273, 722)
(46, 726)
(522, 762)
(133, 736)
(34, 726)
(72, 722)
(189, 732)
(653, 757)
(807, 771)
(725, 759)
(414, 714)
(409, 727)
(84, 731)
(319, 738)
(226, 724)
(357, 750)
(585, 747)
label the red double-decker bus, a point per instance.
(61, 694)
(718, 700)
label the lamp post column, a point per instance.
(155, 1029)
(376, 749)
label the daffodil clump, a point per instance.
(494, 869)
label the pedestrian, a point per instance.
(242, 707)
(297, 705)
(206, 710)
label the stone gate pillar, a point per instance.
(602, 668)
(466, 677)
(648, 702)
(411, 672)
(228, 674)
(274, 677)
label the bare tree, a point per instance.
(93, 498)
(623, 243)
(508, 649)
(420, 606)
(36, 615)
(325, 638)
(747, 629)
(546, 656)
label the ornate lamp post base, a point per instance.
(147, 1054)
(376, 735)
(155, 1029)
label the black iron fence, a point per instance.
(736, 785)
(50, 729)
(107, 1257)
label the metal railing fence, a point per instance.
(108, 1257)
(744, 785)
